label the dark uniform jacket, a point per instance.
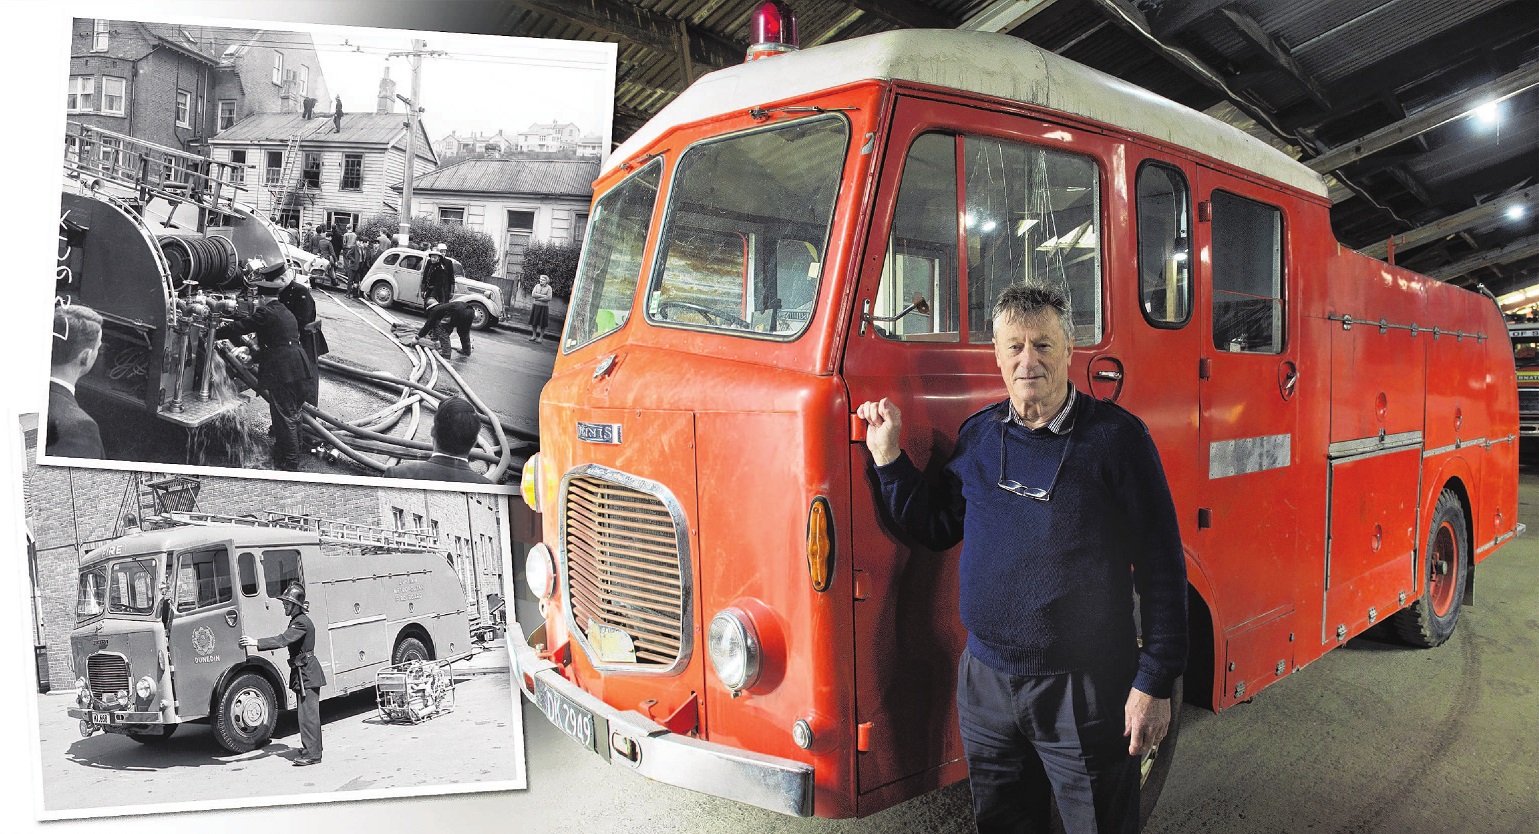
(301, 303)
(71, 432)
(283, 362)
(438, 468)
(300, 639)
(438, 280)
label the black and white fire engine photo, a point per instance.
(206, 642)
(330, 238)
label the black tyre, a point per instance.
(155, 736)
(246, 714)
(408, 649)
(482, 320)
(382, 293)
(1430, 620)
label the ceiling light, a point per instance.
(1517, 211)
(1489, 113)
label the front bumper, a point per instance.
(641, 744)
(117, 717)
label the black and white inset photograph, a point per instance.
(325, 250)
(211, 642)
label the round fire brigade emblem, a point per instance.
(203, 640)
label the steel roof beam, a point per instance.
(906, 14)
(1437, 115)
(642, 27)
(1273, 49)
(1169, 24)
(1514, 251)
(1472, 218)
(1004, 15)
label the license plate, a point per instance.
(101, 718)
(582, 725)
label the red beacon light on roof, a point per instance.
(774, 31)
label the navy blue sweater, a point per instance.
(1047, 586)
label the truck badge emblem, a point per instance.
(599, 432)
(203, 640)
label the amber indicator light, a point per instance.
(820, 544)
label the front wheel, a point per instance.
(1430, 620)
(246, 714)
(382, 293)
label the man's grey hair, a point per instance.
(1020, 302)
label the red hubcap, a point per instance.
(1445, 570)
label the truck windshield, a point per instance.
(127, 586)
(747, 227)
(611, 260)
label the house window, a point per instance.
(579, 226)
(278, 68)
(312, 171)
(99, 35)
(113, 94)
(452, 215)
(399, 516)
(238, 172)
(520, 230)
(82, 94)
(416, 521)
(183, 108)
(226, 113)
(304, 79)
(274, 167)
(352, 171)
(433, 526)
(350, 219)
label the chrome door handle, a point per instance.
(1110, 376)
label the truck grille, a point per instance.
(107, 674)
(1528, 400)
(624, 572)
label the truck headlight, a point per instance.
(145, 688)
(540, 571)
(529, 482)
(82, 693)
(733, 646)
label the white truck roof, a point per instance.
(977, 62)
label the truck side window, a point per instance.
(922, 246)
(279, 568)
(1033, 214)
(245, 566)
(203, 578)
(1247, 275)
(1164, 246)
(611, 258)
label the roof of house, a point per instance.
(357, 128)
(553, 127)
(551, 177)
(175, 38)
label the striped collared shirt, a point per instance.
(1062, 422)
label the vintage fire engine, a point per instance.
(153, 239)
(160, 613)
(1525, 354)
(724, 609)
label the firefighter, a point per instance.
(305, 675)
(285, 372)
(441, 319)
(301, 303)
(1065, 510)
(437, 276)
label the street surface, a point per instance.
(504, 369)
(476, 743)
(1374, 738)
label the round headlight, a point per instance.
(82, 693)
(540, 571)
(529, 482)
(145, 688)
(733, 646)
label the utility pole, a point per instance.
(413, 113)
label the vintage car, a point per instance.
(396, 278)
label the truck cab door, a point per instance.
(261, 576)
(204, 631)
(1249, 409)
(968, 201)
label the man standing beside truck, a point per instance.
(305, 675)
(1062, 508)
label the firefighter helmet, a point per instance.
(293, 594)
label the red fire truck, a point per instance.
(725, 610)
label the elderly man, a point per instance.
(1062, 509)
(77, 339)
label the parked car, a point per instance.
(396, 278)
(307, 268)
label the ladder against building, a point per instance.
(292, 178)
(328, 530)
(98, 160)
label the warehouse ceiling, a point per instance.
(1425, 112)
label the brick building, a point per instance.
(70, 511)
(266, 71)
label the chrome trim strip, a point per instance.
(1377, 443)
(1245, 455)
(686, 569)
(768, 782)
(1455, 446)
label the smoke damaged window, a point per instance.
(1247, 275)
(238, 159)
(352, 172)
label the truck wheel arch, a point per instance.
(258, 665)
(414, 631)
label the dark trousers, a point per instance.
(284, 404)
(439, 323)
(1032, 738)
(310, 722)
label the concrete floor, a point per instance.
(1375, 738)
